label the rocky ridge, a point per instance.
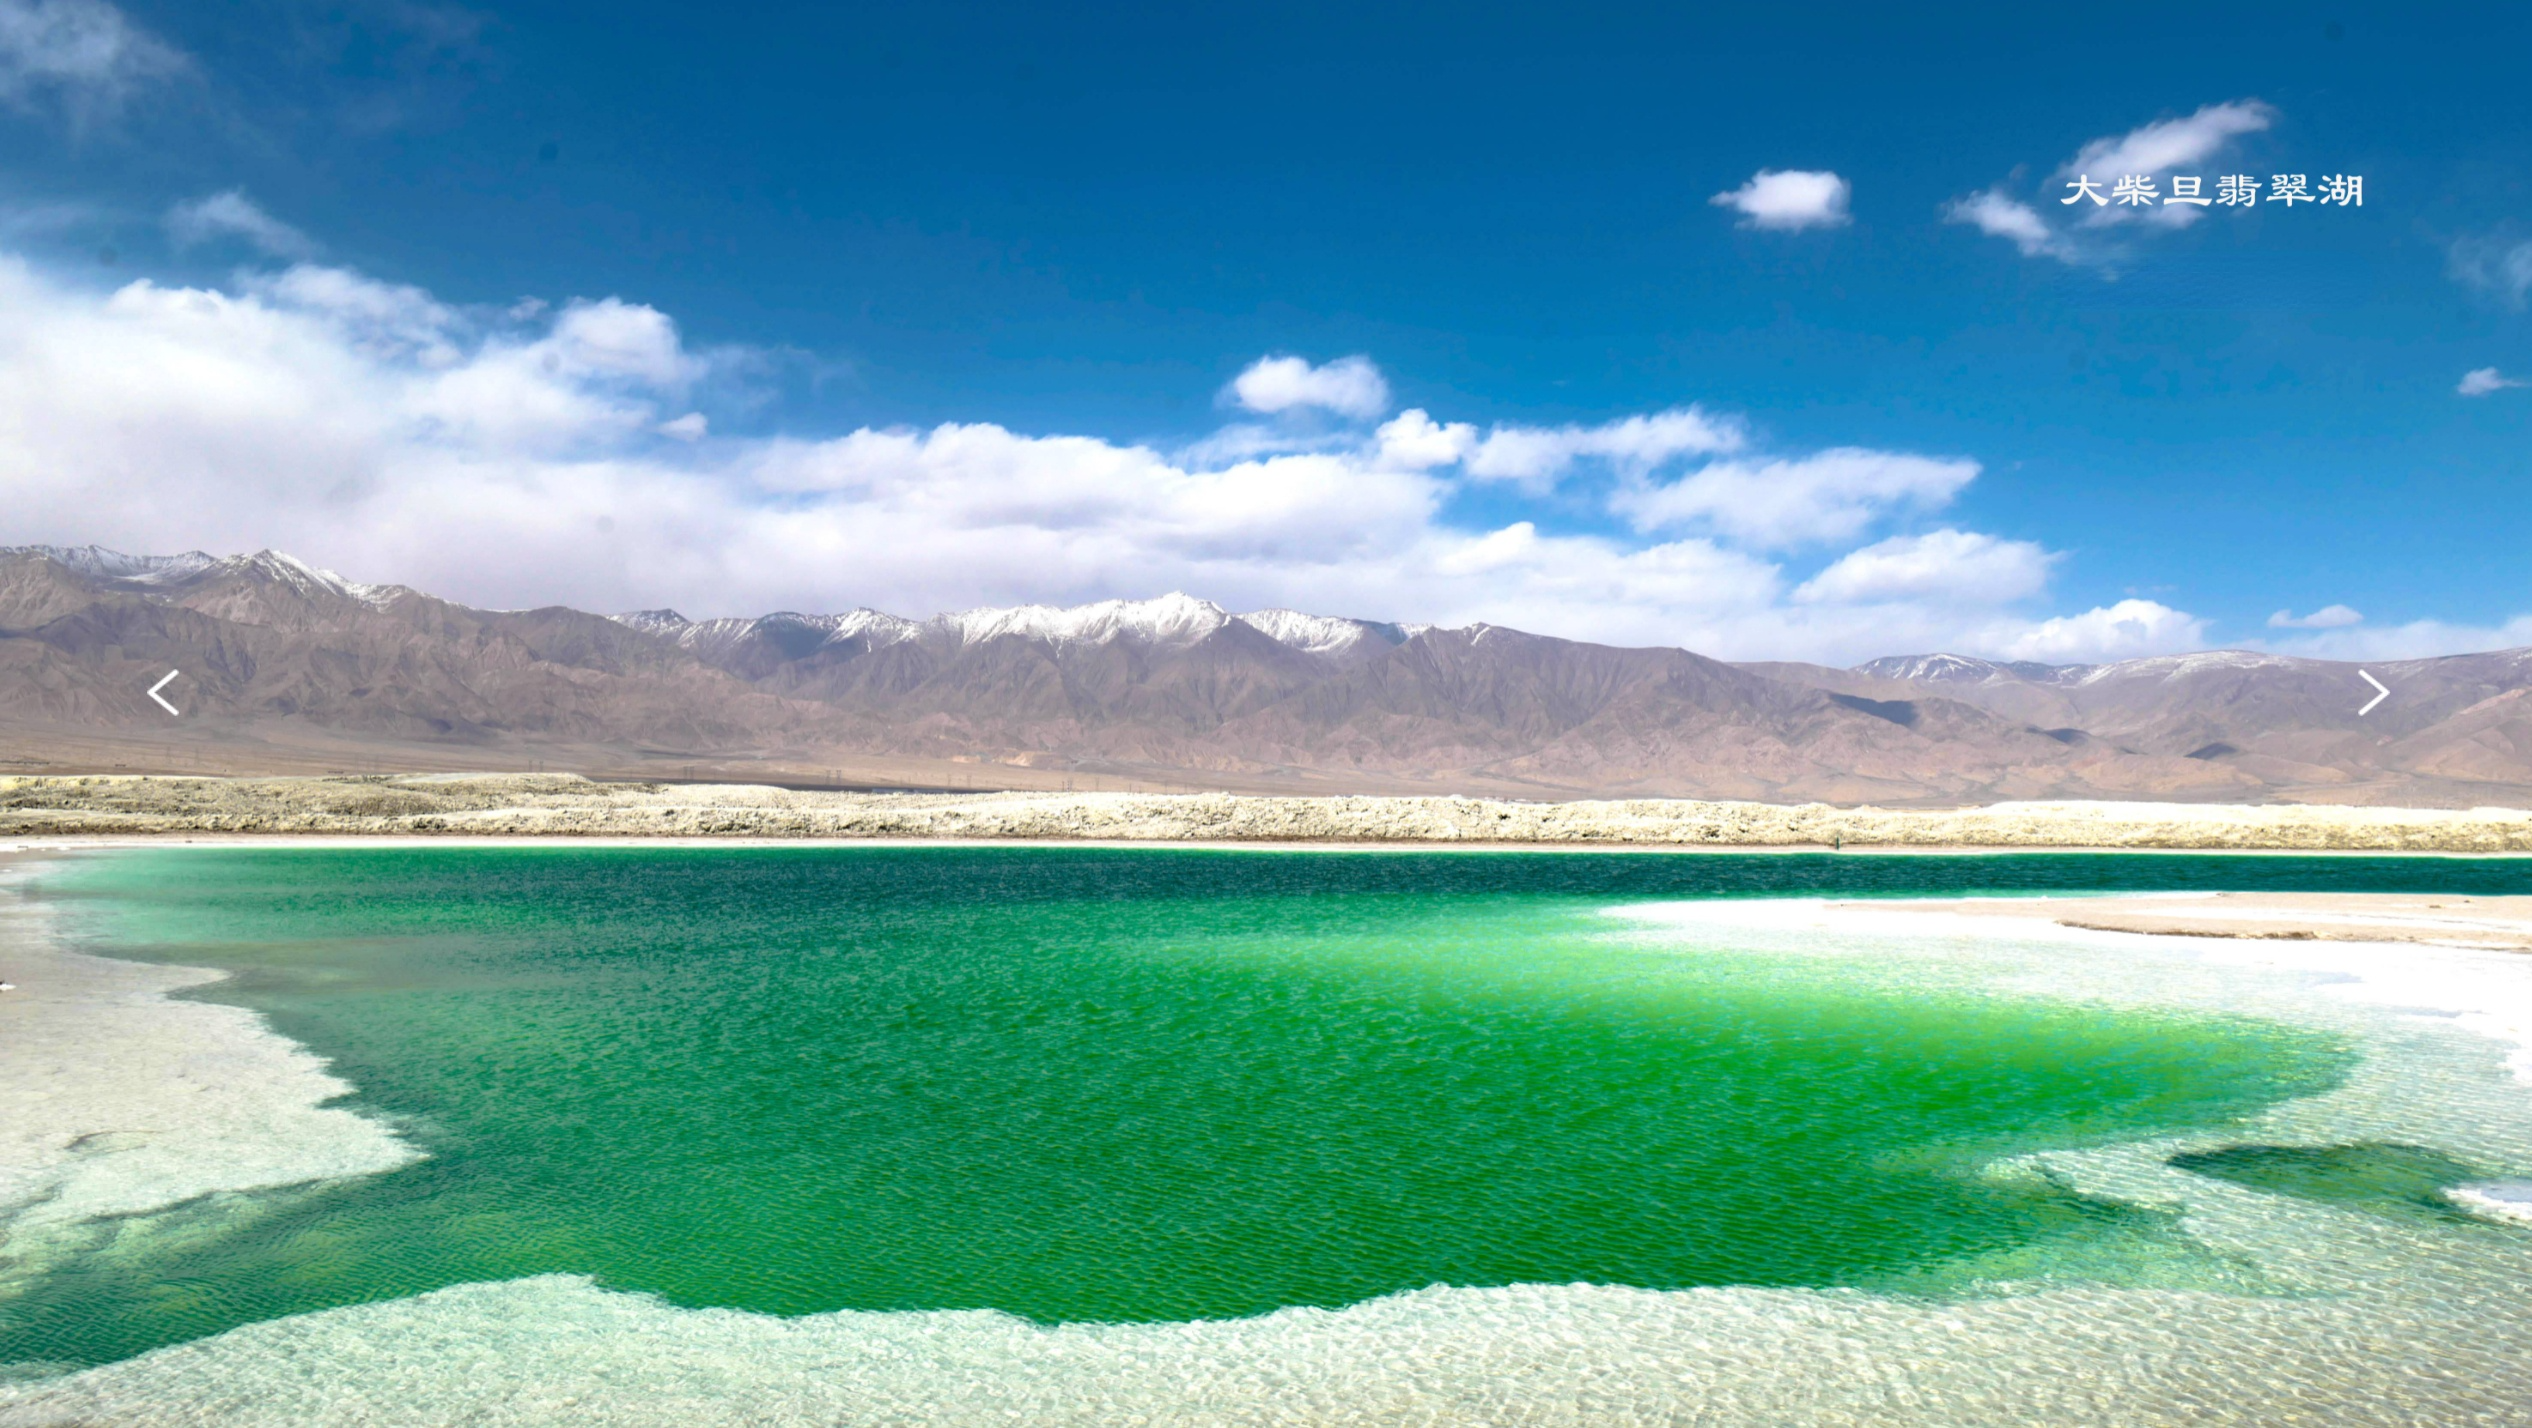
(279, 656)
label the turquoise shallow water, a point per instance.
(1135, 1085)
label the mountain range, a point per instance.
(282, 667)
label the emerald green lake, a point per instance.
(1121, 1085)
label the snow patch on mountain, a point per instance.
(710, 637)
(153, 573)
(665, 623)
(1173, 620)
(2169, 667)
(1321, 634)
(878, 627)
(1968, 669)
(796, 633)
(298, 575)
(1931, 669)
(97, 562)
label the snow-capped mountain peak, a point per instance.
(796, 632)
(877, 627)
(167, 572)
(654, 622)
(1175, 619)
(1968, 669)
(98, 562)
(307, 579)
(2170, 667)
(1931, 668)
(1320, 634)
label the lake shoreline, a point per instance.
(126, 1098)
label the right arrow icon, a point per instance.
(2382, 692)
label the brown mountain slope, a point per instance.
(2296, 726)
(278, 657)
(263, 641)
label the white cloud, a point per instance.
(86, 52)
(1247, 440)
(1994, 213)
(2498, 266)
(1789, 200)
(2160, 148)
(539, 457)
(2328, 617)
(1942, 567)
(387, 320)
(2419, 639)
(234, 215)
(2153, 150)
(1829, 496)
(2480, 381)
(1349, 386)
(1533, 457)
(617, 341)
(1413, 441)
(2129, 629)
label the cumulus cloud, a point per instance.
(1789, 199)
(1999, 215)
(1831, 495)
(2169, 144)
(1534, 457)
(1413, 441)
(2130, 629)
(234, 215)
(2480, 381)
(2418, 639)
(86, 53)
(2500, 267)
(1942, 566)
(2328, 617)
(2153, 151)
(553, 453)
(388, 321)
(1349, 386)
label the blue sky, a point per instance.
(1068, 230)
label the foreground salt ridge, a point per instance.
(2365, 1321)
(2484, 990)
(123, 1100)
(564, 805)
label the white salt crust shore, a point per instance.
(2356, 1319)
(121, 1100)
(565, 805)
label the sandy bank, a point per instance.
(563, 805)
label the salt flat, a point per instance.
(565, 805)
(2443, 919)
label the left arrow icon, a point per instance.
(162, 684)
